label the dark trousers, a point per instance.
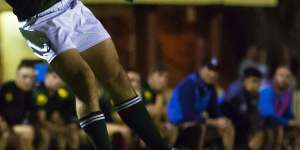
(198, 136)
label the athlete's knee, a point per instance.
(114, 75)
(83, 107)
(72, 68)
(82, 75)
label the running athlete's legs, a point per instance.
(103, 60)
(78, 75)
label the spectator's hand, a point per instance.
(189, 124)
(294, 123)
(222, 123)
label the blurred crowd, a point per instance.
(255, 112)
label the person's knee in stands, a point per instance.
(26, 134)
(9, 139)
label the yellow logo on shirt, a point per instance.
(8, 97)
(42, 100)
(63, 93)
(148, 95)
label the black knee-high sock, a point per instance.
(135, 115)
(95, 127)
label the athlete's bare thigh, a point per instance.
(104, 61)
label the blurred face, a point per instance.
(283, 78)
(252, 85)
(209, 76)
(25, 78)
(158, 80)
(53, 82)
(135, 80)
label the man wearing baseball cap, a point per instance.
(194, 97)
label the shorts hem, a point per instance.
(51, 59)
(58, 53)
(87, 46)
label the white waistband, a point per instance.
(61, 5)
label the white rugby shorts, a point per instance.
(66, 25)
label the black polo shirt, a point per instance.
(62, 101)
(14, 103)
(148, 95)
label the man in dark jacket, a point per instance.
(241, 106)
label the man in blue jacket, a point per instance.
(276, 103)
(192, 98)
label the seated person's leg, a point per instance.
(61, 141)
(296, 142)
(256, 140)
(58, 130)
(290, 139)
(42, 131)
(5, 133)
(279, 137)
(228, 135)
(84, 141)
(225, 130)
(270, 138)
(212, 138)
(73, 136)
(43, 138)
(123, 130)
(169, 132)
(26, 134)
(12, 142)
(189, 136)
